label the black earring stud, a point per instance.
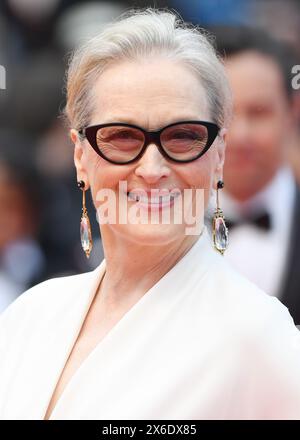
(81, 184)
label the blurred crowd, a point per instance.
(40, 203)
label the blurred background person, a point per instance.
(279, 18)
(261, 200)
(22, 262)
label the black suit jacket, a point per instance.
(290, 286)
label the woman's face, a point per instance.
(150, 94)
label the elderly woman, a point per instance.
(163, 328)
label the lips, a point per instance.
(153, 199)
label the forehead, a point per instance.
(252, 75)
(149, 92)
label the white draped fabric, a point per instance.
(202, 343)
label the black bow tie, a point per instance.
(261, 221)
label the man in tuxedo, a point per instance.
(260, 200)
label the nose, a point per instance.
(152, 166)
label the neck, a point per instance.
(133, 268)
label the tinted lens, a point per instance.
(120, 143)
(184, 141)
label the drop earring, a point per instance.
(85, 226)
(219, 228)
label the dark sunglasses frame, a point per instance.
(151, 137)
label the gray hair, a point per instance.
(139, 34)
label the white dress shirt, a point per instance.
(258, 254)
(202, 343)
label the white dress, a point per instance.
(202, 343)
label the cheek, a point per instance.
(96, 169)
(271, 133)
(103, 175)
(198, 174)
(269, 145)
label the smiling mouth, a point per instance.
(158, 200)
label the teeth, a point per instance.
(153, 200)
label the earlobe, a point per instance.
(218, 172)
(218, 178)
(78, 159)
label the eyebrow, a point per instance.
(129, 120)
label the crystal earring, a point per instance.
(219, 228)
(85, 226)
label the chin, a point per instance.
(151, 234)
